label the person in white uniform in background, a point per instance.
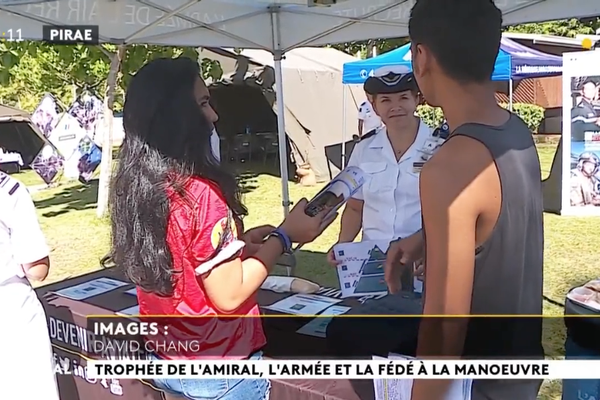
(27, 367)
(388, 207)
(215, 144)
(368, 120)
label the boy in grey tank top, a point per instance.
(481, 201)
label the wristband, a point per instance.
(284, 239)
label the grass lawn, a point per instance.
(78, 240)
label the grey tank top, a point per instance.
(508, 277)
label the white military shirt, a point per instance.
(215, 144)
(21, 239)
(370, 119)
(25, 344)
(392, 206)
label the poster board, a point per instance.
(66, 136)
(47, 114)
(580, 184)
(73, 137)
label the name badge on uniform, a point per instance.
(418, 166)
(429, 148)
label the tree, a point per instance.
(564, 27)
(105, 69)
(365, 48)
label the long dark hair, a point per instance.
(167, 141)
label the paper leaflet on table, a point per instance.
(318, 326)
(401, 389)
(303, 304)
(337, 192)
(360, 271)
(361, 268)
(133, 310)
(91, 288)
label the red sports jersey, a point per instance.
(196, 226)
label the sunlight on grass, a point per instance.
(78, 240)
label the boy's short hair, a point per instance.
(463, 35)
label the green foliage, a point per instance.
(366, 47)
(432, 116)
(30, 69)
(531, 114)
(565, 27)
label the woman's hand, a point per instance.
(419, 272)
(302, 228)
(254, 238)
(331, 257)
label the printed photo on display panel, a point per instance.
(48, 164)
(90, 158)
(47, 114)
(584, 178)
(88, 110)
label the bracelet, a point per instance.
(286, 243)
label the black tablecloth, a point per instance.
(66, 318)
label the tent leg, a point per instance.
(283, 157)
(343, 126)
(510, 94)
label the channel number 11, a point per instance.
(12, 35)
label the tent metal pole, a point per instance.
(510, 94)
(283, 164)
(343, 126)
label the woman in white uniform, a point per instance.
(388, 207)
(26, 371)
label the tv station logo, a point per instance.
(71, 34)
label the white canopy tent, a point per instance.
(273, 25)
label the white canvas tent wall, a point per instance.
(314, 102)
(273, 25)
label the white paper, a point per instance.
(132, 292)
(134, 310)
(400, 389)
(91, 288)
(318, 326)
(337, 192)
(303, 304)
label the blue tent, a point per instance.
(514, 61)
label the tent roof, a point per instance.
(514, 61)
(319, 111)
(525, 62)
(8, 113)
(273, 25)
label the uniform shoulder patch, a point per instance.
(6, 183)
(369, 134)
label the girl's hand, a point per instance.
(254, 238)
(302, 228)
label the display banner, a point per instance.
(88, 156)
(66, 137)
(75, 129)
(47, 114)
(48, 164)
(580, 194)
(88, 110)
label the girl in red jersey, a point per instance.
(176, 229)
